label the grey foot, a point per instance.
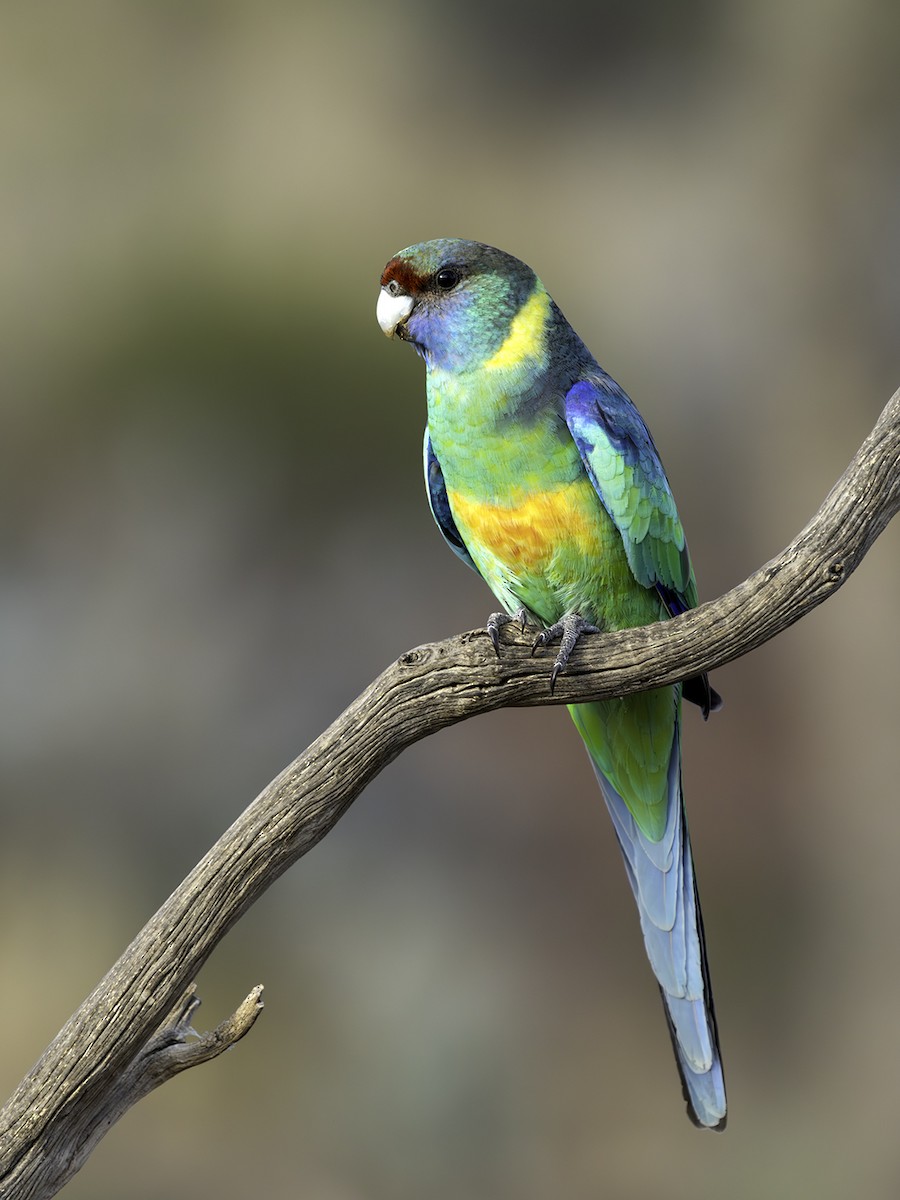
(497, 620)
(566, 631)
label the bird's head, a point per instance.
(454, 300)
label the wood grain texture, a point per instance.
(131, 1033)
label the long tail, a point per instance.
(661, 874)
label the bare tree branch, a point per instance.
(131, 1033)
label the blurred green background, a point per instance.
(214, 534)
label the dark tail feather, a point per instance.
(700, 691)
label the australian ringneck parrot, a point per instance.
(543, 477)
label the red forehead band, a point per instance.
(401, 272)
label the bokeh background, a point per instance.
(214, 534)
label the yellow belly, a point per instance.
(528, 534)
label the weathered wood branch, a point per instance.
(131, 1033)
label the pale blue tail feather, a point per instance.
(661, 875)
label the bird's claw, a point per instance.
(566, 631)
(497, 620)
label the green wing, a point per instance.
(625, 468)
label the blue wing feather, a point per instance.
(625, 468)
(440, 505)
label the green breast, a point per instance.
(526, 508)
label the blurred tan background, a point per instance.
(214, 534)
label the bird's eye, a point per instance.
(447, 278)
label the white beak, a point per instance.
(392, 311)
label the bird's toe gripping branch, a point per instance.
(497, 620)
(566, 631)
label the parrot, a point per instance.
(543, 478)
